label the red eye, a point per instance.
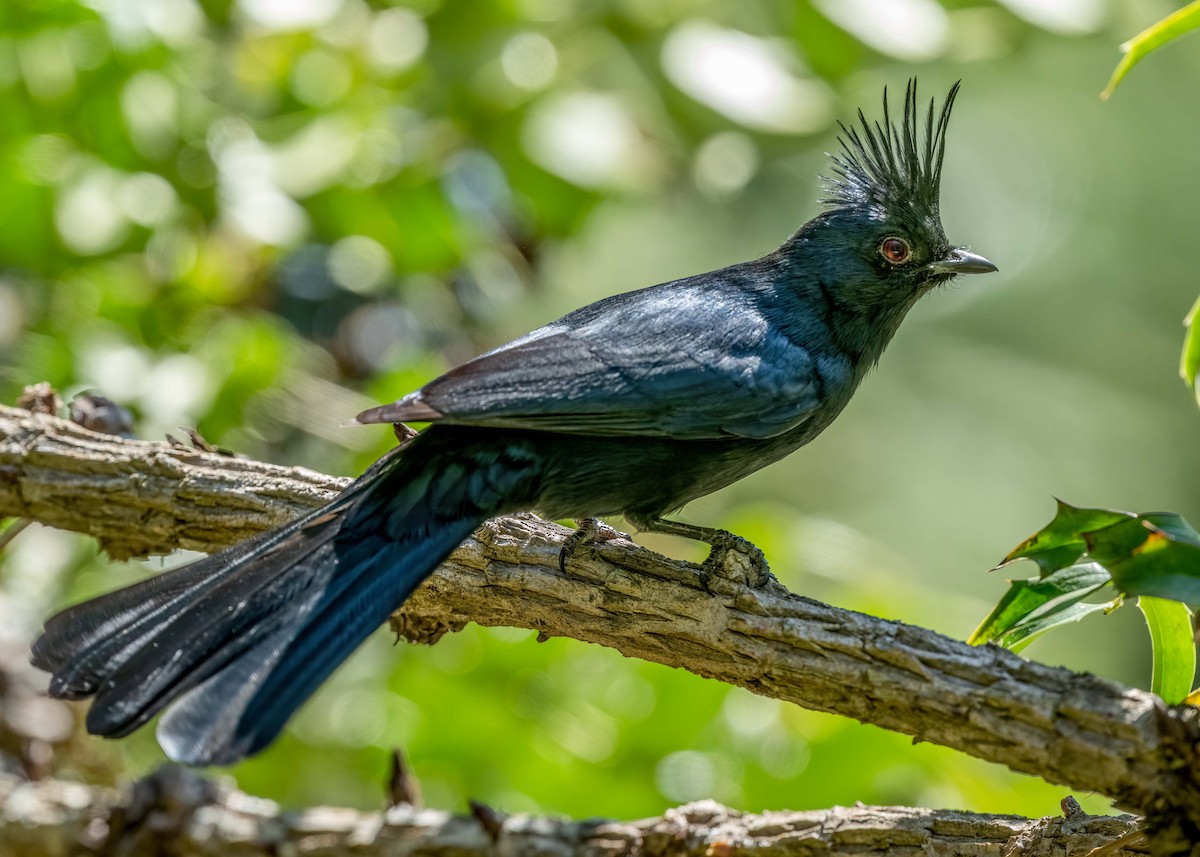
(895, 250)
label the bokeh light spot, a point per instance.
(359, 264)
(590, 139)
(529, 60)
(150, 106)
(685, 776)
(744, 78)
(289, 14)
(320, 78)
(784, 756)
(47, 158)
(46, 67)
(396, 39)
(87, 215)
(1068, 17)
(910, 30)
(147, 199)
(724, 164)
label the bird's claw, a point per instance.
(736, 559)
(591, 531)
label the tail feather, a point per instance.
(91, 642)
(99, 627)
(236, 642)
(201, 727)
(216, 628)
(237, 712)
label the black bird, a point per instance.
(634, 405)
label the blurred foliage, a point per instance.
(259, 216)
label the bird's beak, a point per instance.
(962, 261)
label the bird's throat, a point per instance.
(865, 337)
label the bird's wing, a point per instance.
(646, 366)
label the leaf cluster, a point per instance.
(1087, 554)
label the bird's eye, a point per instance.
(895, 250)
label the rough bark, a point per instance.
(138, 498)
(178, 812)
(1069, 728)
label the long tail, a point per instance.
(236, 642)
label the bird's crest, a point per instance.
(885, 165)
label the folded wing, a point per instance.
(667, 362)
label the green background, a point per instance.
(259, 217)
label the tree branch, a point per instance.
(1069, 728)
(178, 812)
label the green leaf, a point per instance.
(1026, 632)
(1172, 525)
(1151, 39)
(1156, 554)
(1060, 543)
(1153, 554)
(1174, 646)
(1043, 603)
(1189, 360)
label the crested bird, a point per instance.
(633, 405)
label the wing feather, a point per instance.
(665, 362)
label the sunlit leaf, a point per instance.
(1026, 632)
(1174, 647)
(1060, 543)
(1189, 360)
(1153, 554)
(1151, 39)
(1044, 602)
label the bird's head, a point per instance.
(882, 225)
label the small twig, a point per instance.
(402, 786)
(489, 819)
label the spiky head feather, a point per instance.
(889, 167)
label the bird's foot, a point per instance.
(736, 559)
(591, 531)
(732, 558)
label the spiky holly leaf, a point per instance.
(1061, 542)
